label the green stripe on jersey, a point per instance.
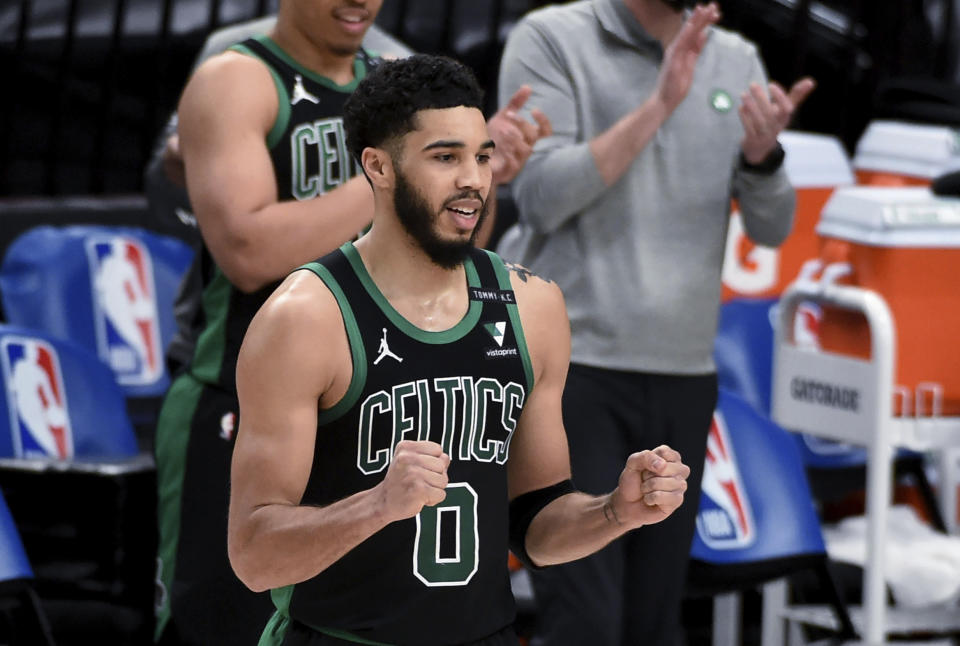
(357, 352)
(457, 332)
(359, 69)
(172, 437)
(208, 358)
(503, 277)
(276, 628)
(283, 98)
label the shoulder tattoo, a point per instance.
(523, 273)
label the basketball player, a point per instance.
(272, 187)
(397, 393)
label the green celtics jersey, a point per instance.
(440, 577)
(308, 149)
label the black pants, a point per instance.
(200, 601)
(630, 592)
(297, 634)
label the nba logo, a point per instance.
(36, 399)
(725, 520)
(125, 309)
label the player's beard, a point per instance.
(419, 220)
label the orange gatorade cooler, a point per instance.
(903, 243)
(897, 153)
(815, 164)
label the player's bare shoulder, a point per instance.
(531, 287)
(228, 82)
(299, 325)
(228, 64)
(302, 300)
(539, 299)
(298, 312)
(543, 315)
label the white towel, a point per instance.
(922, 565)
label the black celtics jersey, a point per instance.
(308, 148)
(441, 577)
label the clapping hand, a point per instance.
(515, 136)
(765, 114)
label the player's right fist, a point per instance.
(417, 477)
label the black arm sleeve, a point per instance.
(524, 508)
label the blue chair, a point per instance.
(743, 349)
(756, 506)
(109, 289)
(743, 353)
(59, 401)
(756, 520)
(76, 480)
(22, 620)
(13, 559)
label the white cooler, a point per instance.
(903, 243)
(897, 153)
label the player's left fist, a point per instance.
(651, 487)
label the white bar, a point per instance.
(726, 619)
(878, 385)
(772, 621)
(949, 469)
(879, 474)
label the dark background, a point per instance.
(89, 83)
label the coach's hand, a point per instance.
(417, 477)
(680, 57)
(514, 136)
(651, 487)
(765, 114)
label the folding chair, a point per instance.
(110, 289)
(22, 620)
(743, 353)
(61, 401)
(756, 521)
(84, 497)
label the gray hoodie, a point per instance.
(639, 262)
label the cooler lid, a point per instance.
(815, 160)
(908, 149)
(891, 217)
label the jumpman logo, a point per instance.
(300, 93)
(385, 350)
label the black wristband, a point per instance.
(524, 508)
(770, 163)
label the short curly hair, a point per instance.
(385, 103)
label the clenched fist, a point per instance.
(651, 487)
(417, 477)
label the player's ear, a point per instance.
(378, 166)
